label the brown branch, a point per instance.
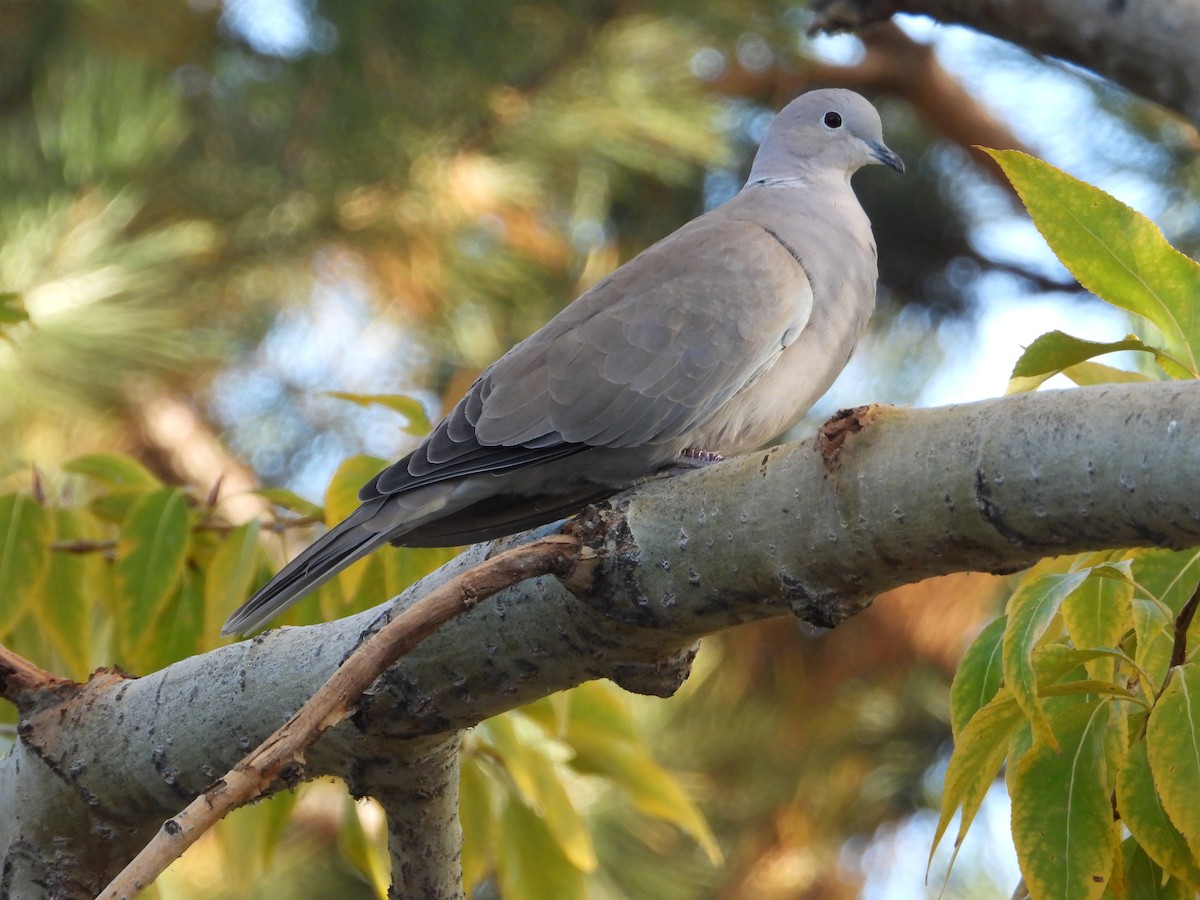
(178, 442)
(23, 683)
(911, 69)
(1148, 48)
(83, 545)
(282, 754)
(895, 64)
(274, 526)
(1182, 623)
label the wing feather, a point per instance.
(642, 357)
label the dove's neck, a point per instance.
(803, 203)
(770, 169)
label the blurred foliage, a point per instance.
(1086, 691)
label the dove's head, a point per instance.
(826, 132)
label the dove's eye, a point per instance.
(833, 120)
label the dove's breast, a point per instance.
(833, 245)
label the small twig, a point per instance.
(274, 526)
(83, 546)
(21, 680)
(210, 502)
(277, 526)
(1182, 623)
(336, 699)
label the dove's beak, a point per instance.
(886, 156)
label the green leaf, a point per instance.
(607, 744)
(530, 863)
(978, 676)
(1114, 251)
(597, 708)
(562, 819)
(1155, 632)
(1170, 577)
(114, 470)
(151, 554)
(409, 407)
(1089, 373)
(366, 852)
(180, 632)
(539, 781)
(382, 575)
(1144, 879)
(230, 575)
(25, 529)
(12, 309)
(1122, 719)
(1031, 609)
(291, 501)
(248, 837)
(1097, 614)
(1057, 351)
(1173, 745)
(979, 751)
(1089, 686)
(12, 312)
(341, 499)
(477, 815)
(1054, 660)
(1061, 812)
(76, 581)
(1144, 816)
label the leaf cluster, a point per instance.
(1087, 690)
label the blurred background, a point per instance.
(216, 213)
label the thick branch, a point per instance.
(419, 793)
(336, 699)
(1149, 48)
(886, 497)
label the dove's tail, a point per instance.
(339, 547)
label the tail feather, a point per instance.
(339, 547)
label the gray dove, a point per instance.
(708, 344)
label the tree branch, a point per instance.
(23, 683)
(895, 64)
(419, 793)
(1148, 48)
(252, 777)
(887, 497)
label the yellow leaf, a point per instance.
(1173, 745)
(1061, 812)
(25, 529)
(1144, 816)
(477, 815)
(1031, 609)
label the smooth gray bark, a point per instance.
(817, 528)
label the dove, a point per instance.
(708, 344)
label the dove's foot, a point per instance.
(692, 458)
